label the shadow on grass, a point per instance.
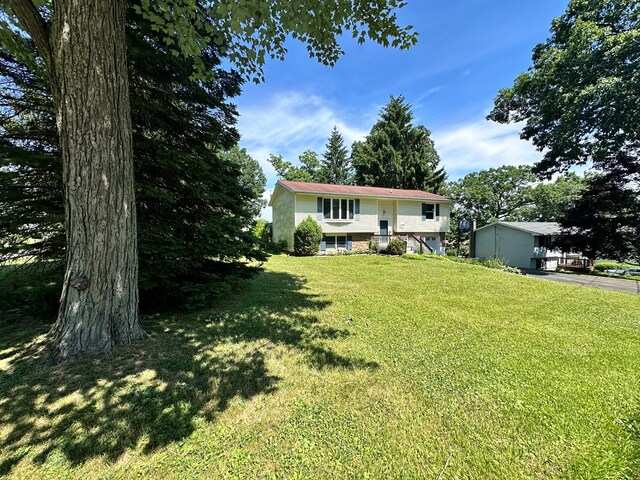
(152, 394)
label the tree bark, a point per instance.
(88, 74)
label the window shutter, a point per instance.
(357, 209)
(319, 209)
(323, 245)
(424, 212)
(349, 242)
(437, 209)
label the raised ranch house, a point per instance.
(524, 245)
(351, 216)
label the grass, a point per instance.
(341, 367)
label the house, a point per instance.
(522, 245)
(351, 216)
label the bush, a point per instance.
(307, 238)
(396, 247)
(374, 247)
(261, 232)
(601, 267)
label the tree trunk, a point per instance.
(88, 73)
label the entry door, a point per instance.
(384, 227)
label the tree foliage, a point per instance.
(579, 102)
(336, 164)
(605, 221)
(308, 169)
(397, 154)
(194, 203)
(494, 194)
(252, 177)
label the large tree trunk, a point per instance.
(88, 72)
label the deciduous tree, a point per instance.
(81, 44)
(579, 104)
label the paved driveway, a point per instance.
(609, 283)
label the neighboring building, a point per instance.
(522, 245)
(351, 216)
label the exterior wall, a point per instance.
(306, 205)
(409, 218)
(513, 246)
(284, 215)
(404, 217)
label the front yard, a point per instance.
(344, 367)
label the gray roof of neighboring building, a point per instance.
(537, 228)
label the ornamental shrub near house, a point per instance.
(396, 247)
(307, 238)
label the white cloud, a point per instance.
(290, 123)
(481, 144)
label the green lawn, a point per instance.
(344, 367)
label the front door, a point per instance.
(384, 227)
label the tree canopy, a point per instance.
(579, 103)
(579, 100)
(308, 169)
(397, 154)
(81, 46)
(196, 193)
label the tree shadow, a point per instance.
(151, 394)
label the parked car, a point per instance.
(624, 271)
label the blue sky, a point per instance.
(466, 52)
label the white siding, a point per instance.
(513, 246)
(409, 219)
(283, 211)
(306, 205)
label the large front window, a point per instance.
(338, 208)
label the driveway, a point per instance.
(609, 283)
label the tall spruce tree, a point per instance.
(192, 203)
(336, 164)
(397, 154)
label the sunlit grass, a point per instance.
(344, 367)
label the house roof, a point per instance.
(381, 192)
(536, 228)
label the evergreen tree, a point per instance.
(193, 207)
(336, 164)
(397, 154)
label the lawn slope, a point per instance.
(344, 367)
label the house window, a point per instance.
(335, 242)
(430, 211)
(338, 208)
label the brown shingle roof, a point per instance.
(330, 189)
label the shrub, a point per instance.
(307, 238)
(396, 247)
(374, 247)
(261, 232)
(601, 267)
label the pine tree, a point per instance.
(336, 164)
(397, 154)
